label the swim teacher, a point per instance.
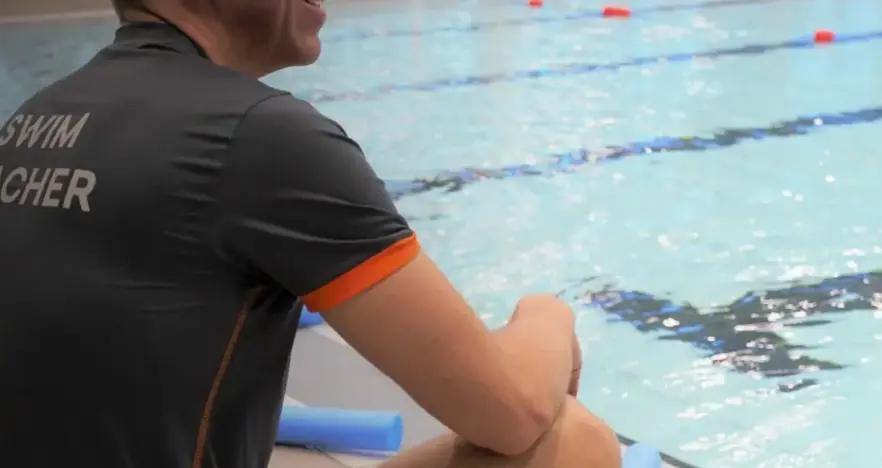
(164, 217)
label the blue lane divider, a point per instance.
(574, 69)
(584, 14)
(452, 181)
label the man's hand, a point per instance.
(543, 302)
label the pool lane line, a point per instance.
(670, 460)
(453, 181)
(582, 14)
(575, 69)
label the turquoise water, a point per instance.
(702, 227)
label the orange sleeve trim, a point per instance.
(363, 276)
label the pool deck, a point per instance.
(328, 372)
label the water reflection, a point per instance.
(746, 335)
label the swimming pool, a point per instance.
(695, 180)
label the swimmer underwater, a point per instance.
(165, 217)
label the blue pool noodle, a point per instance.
(340, 430)
(309, 319)
(641, 456)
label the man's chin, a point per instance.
(306, 54)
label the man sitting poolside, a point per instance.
(163, 211)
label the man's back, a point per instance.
(123, 327)
(146, 317)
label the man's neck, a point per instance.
(205, 34)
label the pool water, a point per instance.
(697, 180)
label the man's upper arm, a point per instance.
(303, 207)
(301, 204)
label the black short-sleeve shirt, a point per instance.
(161, 220)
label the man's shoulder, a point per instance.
(284, 111)
(283, 119)
(285, 138)
(156, 76)
(205, 85)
